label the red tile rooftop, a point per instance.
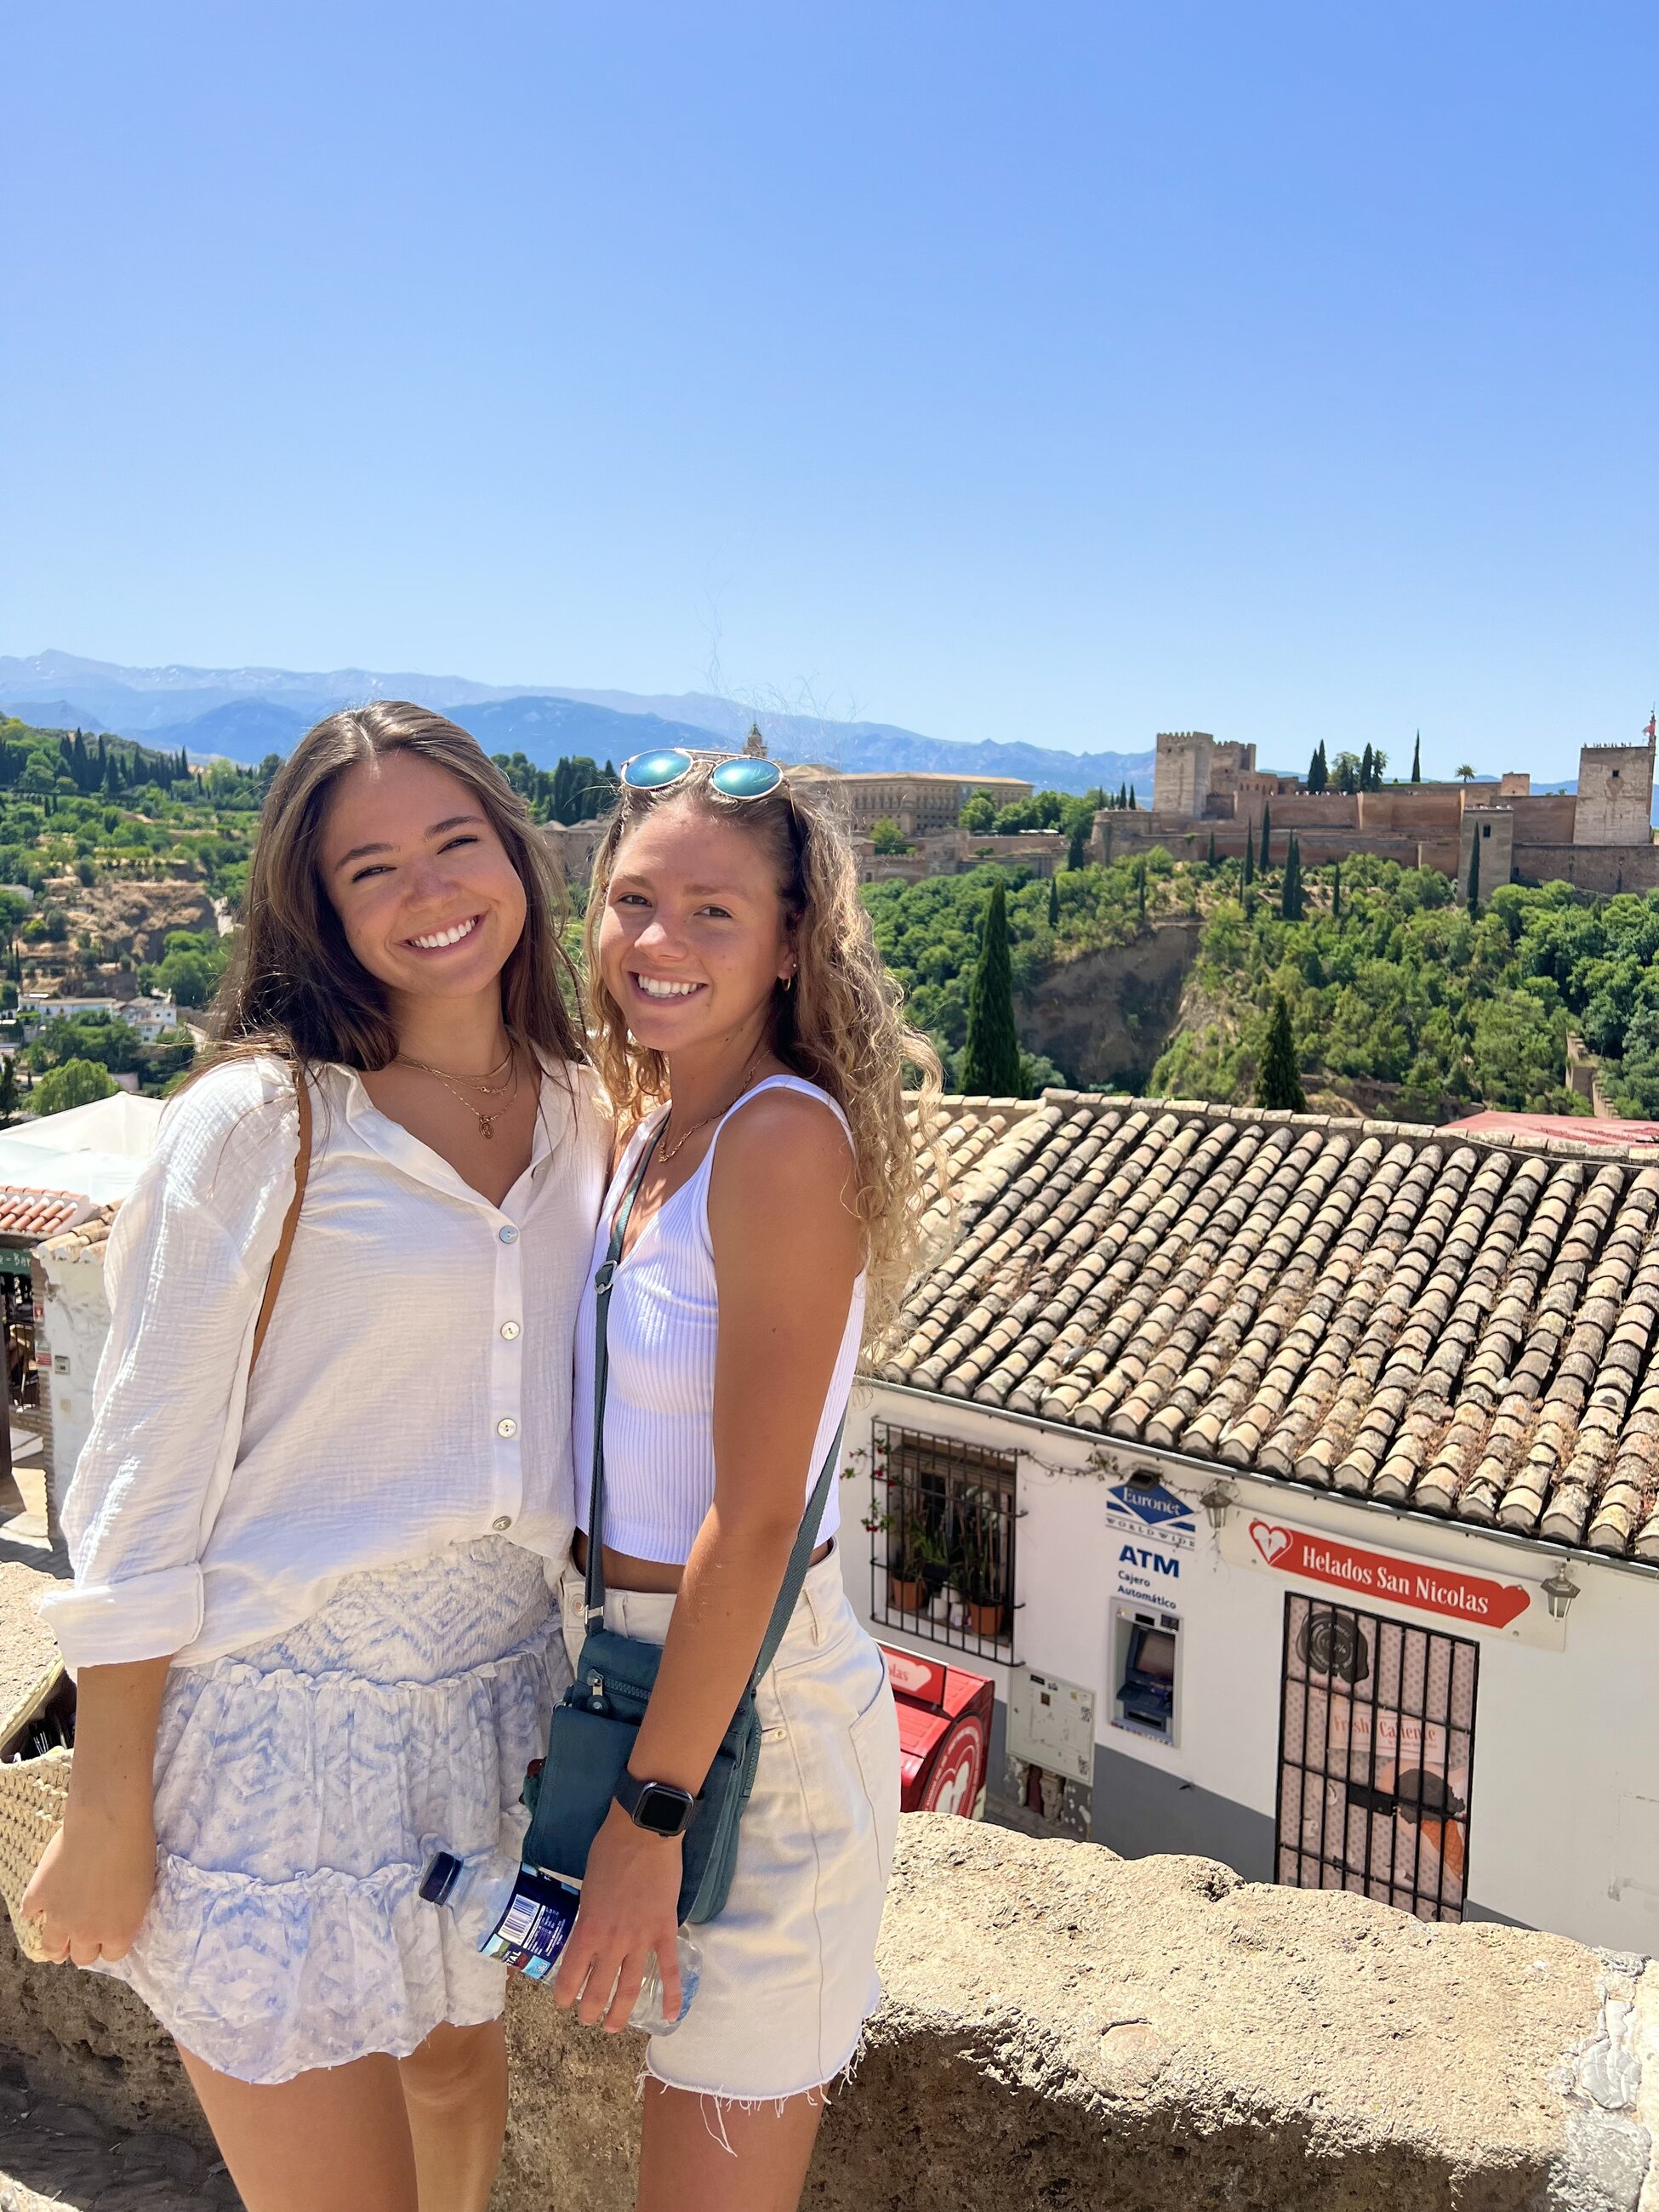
(1459, 1322)
(24, 1212)
(1598, 1129)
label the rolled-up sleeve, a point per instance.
(188, 1255)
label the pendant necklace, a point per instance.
(486, 1121)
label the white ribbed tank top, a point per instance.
(660, 1399)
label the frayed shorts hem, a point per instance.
(745, 2099)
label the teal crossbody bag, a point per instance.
(591, 1735)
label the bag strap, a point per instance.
(290, 1220)
(593, 1597)
(800, 1555)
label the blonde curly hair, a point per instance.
(840, 1026)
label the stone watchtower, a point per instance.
(1182, 773)
(1615, 795)
(1493, 828)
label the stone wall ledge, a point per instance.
(1067, 2030)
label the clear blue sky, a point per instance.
(1061, 373)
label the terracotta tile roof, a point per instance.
(85, 1241)
(1602, 1131)
(1461, 1324)
(24, 1212)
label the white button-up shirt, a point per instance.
(413, 1389)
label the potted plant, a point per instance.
(906, 1590)
(932, 1558)
(980, 1571)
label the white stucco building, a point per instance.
(1295, 1481)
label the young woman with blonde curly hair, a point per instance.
(753, 1046)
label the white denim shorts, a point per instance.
(789, 1967)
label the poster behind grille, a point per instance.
(1376, 1738)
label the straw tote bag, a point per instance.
(33, 1791)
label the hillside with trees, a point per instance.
(930, 933)
(1370, 986)
(1376, 988)
(115, 860)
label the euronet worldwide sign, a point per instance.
(1390, 1580)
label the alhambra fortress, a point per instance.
(1210, 797)
(1600, 838)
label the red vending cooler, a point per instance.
(945, 1734)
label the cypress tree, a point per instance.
(1416, 759)
(1336, 892)
(1367, 770)
(1053, 901)
(1211, 860)
(1290, 903)
(1279, 1080)
(1249, 860)
(1077, 852)
(1134, 803)
(1267, 832)
(1140, 888)
(990, 1065)
(1474, 869)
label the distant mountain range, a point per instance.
(243, 713)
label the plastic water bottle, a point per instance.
(518, 1914)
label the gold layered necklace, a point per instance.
(508, 1091)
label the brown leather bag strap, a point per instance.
(290, 1220)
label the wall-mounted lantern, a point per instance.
(1560, 1592)
(1217, 1502)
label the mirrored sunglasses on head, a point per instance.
(740, 776)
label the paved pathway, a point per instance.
(57, 2154)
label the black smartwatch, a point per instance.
(657, 1807)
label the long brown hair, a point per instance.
(841, 1026)
(295, 985)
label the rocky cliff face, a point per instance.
(1105, 1016)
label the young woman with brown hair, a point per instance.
(311, 1614)
(771, 1200)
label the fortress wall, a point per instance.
(1546, 819)
(1321, 810)
(1592, 868)
(1419, 809)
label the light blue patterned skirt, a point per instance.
(301, 1787)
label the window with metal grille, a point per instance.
(941, 1524)
(1375, 1757)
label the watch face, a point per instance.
(662, 1810)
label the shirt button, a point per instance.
(509, 1330)
(509, 1235)
(502, 1525)
(508, 1427)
